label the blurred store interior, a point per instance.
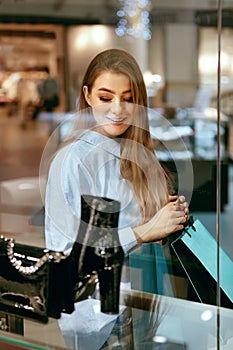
(177, 49)
(176, 46)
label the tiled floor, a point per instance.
(20, 154)
(21, 149)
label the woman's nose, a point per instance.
(116, 107)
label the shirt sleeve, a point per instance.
(127, 239)
(62, 203)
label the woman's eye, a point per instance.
(105, 99)
(129, 100)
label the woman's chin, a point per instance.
(114, 130)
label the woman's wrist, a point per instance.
(143, 235)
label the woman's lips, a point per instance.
(115, 120)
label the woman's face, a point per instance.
(112, 103)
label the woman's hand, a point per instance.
(167, 220)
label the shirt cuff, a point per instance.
(127, 239)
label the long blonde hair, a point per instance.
(138, 163)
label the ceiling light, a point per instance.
(134, 19)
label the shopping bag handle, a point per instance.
(189, 224)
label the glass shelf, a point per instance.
(147, 321)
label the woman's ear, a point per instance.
(86, 94)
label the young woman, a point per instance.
(110, 154)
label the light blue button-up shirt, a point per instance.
(89, 165)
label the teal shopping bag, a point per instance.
(197, 251)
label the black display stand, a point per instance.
(205, 183)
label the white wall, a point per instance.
(181, 62)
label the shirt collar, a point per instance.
(96, 139)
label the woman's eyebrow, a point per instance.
(112, 91)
